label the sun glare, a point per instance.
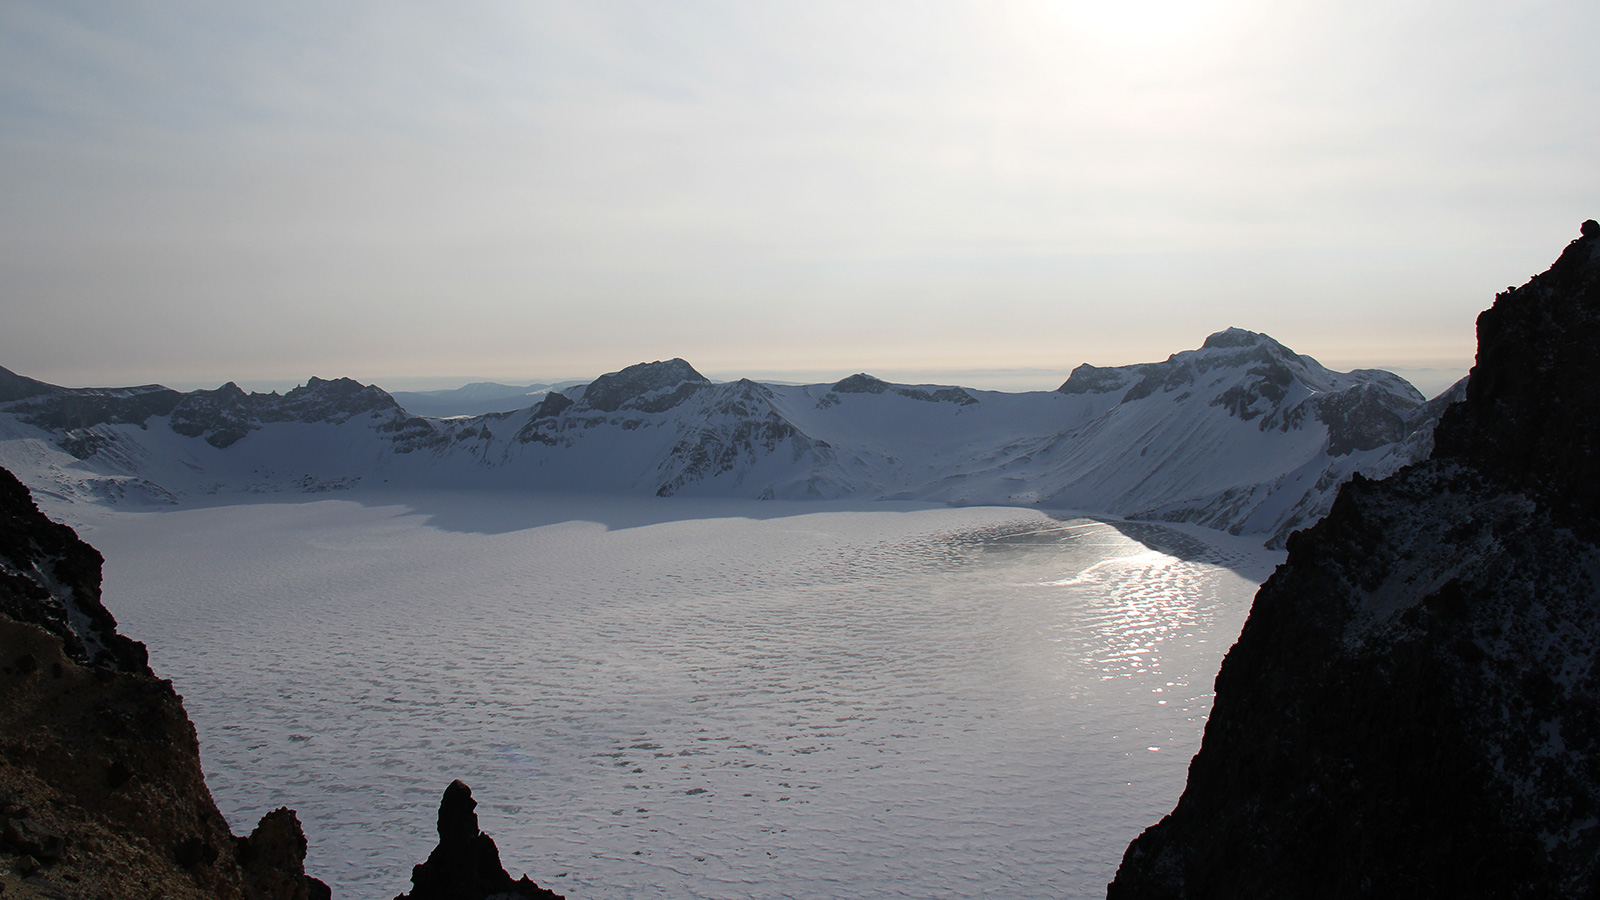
(1130, 24)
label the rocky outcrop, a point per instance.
(101, 792)
(466, 864)
(1413, 707)
(862, 383)
(553, 405)
(51, 579)
(750, 431)
(227, 415)
(1088, 379)
(273, 858)
(646, 387)
(21, 387)
(222, 417)
(73, 409)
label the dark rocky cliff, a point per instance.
(1413, 707)
(101, 792)
(51, 579)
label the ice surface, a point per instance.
(691, 698)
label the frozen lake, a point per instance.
(691, 699)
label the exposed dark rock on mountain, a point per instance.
(51, 579)
(648, 387)
(554, 404)
(224, 416)
(867, 384)
(67, 409)
(861, 383)
(1413, 707)
(759, 430)
(1087, 379)
(1365, 417)
(466, 864)
(101, 793)
(75, 413)
(20, 387)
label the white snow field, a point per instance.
(690, 698)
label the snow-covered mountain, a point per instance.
(1241, 434)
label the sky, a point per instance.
(986, 193)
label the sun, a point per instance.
(1134, 23)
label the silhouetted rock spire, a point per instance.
(466, 864)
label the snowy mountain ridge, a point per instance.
(1240, 434)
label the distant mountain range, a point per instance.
(476, 399)
(1241, 434)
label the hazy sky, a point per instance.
(192, 192)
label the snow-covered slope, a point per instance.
(1241, 434)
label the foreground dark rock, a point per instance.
(466, 864)
(1413, 707)
(51, 579)
(101, 792)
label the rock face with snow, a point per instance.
(101, 793)
(1241, 434)
(1263, 439)
(1413, 707)
(51, 579)
(226, 415)
(648, 387)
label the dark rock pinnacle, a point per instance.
(466, 864)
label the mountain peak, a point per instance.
(1088, 379)
(337, 399)
(861, 383)
(1235, 337)
(635, 385)
(1265, 346)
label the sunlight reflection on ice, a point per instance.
(761, 701)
